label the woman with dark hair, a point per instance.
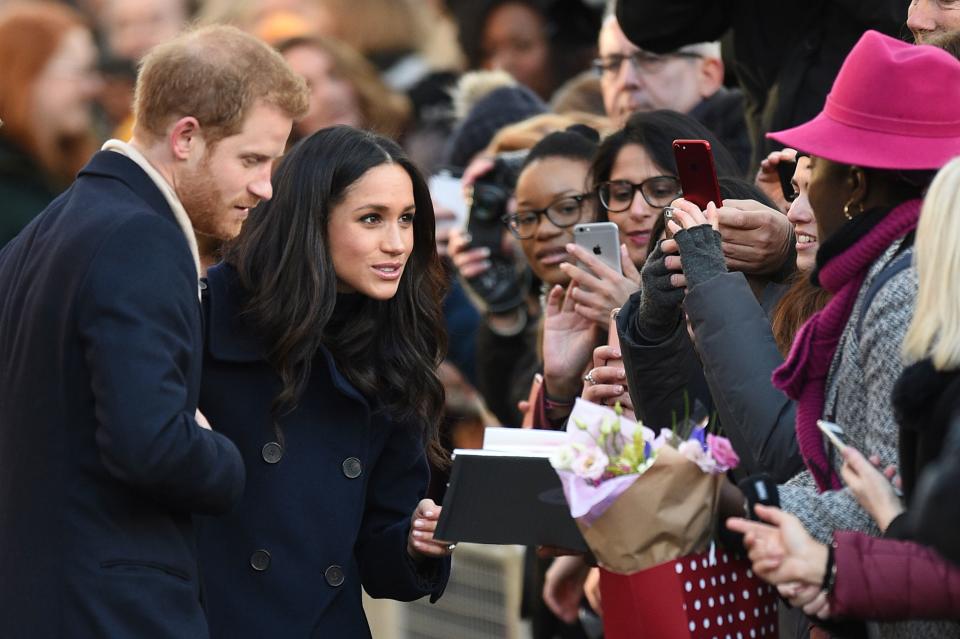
(541, 43)
(324, 336)
(635, 176)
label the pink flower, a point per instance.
(590, 464)
(721, 450)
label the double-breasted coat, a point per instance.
(323, 512)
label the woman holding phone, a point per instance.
(324, 336)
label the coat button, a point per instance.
(352, 467)
(260, 560)
(334, 576)
(272, 452)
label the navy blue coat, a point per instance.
(101, 459)
(321, 516)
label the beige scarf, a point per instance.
(179, 212)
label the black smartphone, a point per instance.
(785, 171)
(759, 489)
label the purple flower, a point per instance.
(721, 451)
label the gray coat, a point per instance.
(736, 347)
(858, 398)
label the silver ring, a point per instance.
(668, 212)
(589, 378)
(450, 547)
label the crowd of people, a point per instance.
(239, 342)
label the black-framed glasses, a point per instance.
(643, 61)
(659, 191)
(563, 212)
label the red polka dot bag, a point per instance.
(646, 505)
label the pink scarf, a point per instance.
(803, 376)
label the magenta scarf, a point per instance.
(803, 376)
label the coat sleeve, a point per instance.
(664, 377)
(891, 580)
(663, 27)
(137, 311)
(738, 353)
(398, 483)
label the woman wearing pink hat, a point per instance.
(889, 122)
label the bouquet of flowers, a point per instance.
(640, 498)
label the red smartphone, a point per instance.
(697, 172)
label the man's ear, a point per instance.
(710, 76)
(185, 138)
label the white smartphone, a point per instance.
(603, 240)
(448, 202)
(832, 432)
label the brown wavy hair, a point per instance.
(383, 110)
(30, 34)
(801, 300)
(390, 349)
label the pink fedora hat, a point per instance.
(893, 106)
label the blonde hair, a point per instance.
(935, 329)
(526, 133)
(215, 74)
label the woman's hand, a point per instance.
(607, 383)
(469, 262)
(782, 552)
(601, 289)
(568, 341)
(591, 588)
(420, 541)
(768, 177)
(871, 487)
(563, 586)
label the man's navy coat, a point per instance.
(102, 463)
(321, 515)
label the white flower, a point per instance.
(693, 450)
(563, 457)
(590, 464)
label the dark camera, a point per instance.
(499, 286)
(493, 189)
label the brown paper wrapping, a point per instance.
(667, 513)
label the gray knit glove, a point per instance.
(659, 309)
(702, 253)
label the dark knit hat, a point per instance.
(497, 109)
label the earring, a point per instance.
(846, 210)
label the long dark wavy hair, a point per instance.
(389, 350)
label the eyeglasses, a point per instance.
(642, 61)
(562, 213)
(617, 196)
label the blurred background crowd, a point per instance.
(536, 98)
